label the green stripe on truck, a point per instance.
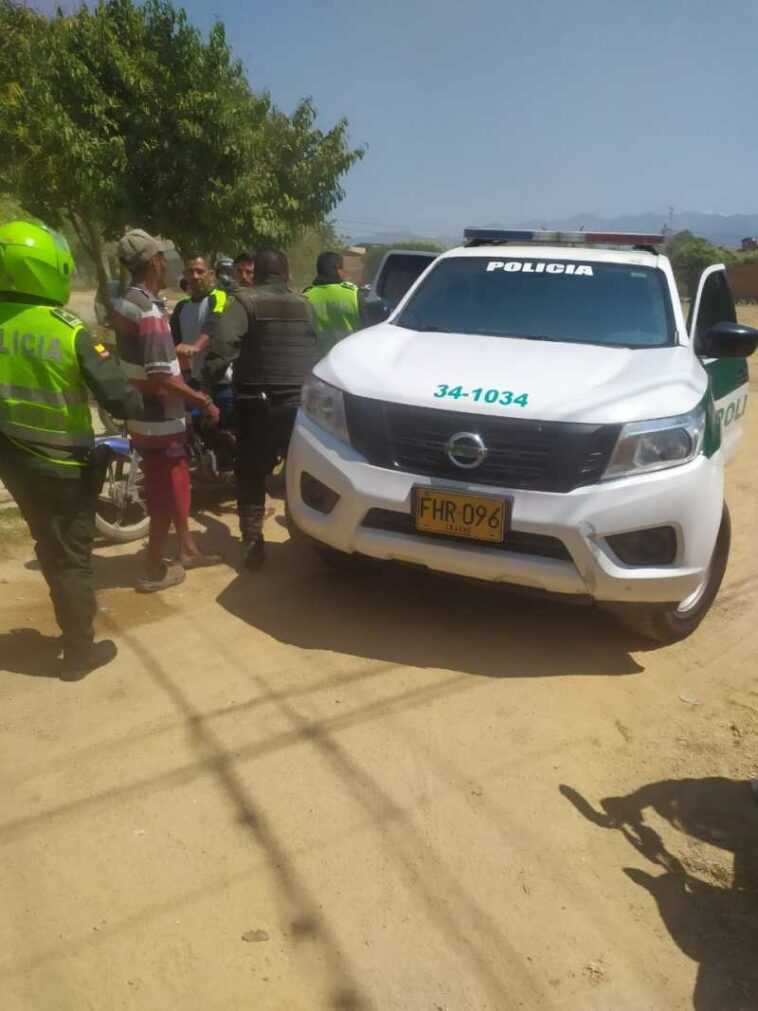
(726, 375)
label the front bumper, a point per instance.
(688, 498)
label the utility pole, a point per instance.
(668, 227)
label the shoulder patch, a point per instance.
(66, 317)
(350, 285)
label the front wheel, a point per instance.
(109, 423)
(675, 623)
(120, 511)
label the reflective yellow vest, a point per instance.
(336, 311)
(44, 405)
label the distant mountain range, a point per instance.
(721, 229)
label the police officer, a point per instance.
(242, 271)
(48, 362)
(334, 301)
(225, 273)
(267, 332)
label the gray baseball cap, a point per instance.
(137, 248)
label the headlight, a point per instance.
(644, 446)
(325, 405)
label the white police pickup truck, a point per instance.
(536, 412)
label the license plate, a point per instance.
(479, 518)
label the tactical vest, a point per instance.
(279, 346)
(44, 405)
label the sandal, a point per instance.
(173, 574)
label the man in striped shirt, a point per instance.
(148, 357)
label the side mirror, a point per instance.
(376, 311)
(727, 340)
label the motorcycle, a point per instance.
(121, 513)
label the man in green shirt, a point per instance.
(334, 301)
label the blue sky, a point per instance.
(479, 111)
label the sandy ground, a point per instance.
(296, 790)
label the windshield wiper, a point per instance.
(531, 337)
(433, 328)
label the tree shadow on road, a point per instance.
(419, 619)
(711, 914)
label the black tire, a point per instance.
(676, 623)
(118, 533)
(109, 423)
(118, 521)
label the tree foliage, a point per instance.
(304, 251)
(123, 115)
(690, 254)
(375, 254)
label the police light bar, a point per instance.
(478, 236)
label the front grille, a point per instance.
(517, 541)
(521, 454)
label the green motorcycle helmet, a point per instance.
(35, 261)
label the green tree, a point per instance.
(10, 208)
(375, 254)
(304, 251)
(122, 116)
(690, 254)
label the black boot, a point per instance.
(79, 660)
(251, 528)
(251, 522)
(255, 553)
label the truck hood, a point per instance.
(563, 382)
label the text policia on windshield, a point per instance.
(541, 266)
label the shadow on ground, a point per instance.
(27, 651)
(418, 619)
(712, 915)
(114, 571)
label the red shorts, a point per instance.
(167, 485)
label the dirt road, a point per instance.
(296, 791)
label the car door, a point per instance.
(728, 377)
(397, 272)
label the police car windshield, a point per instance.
(612, 304)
